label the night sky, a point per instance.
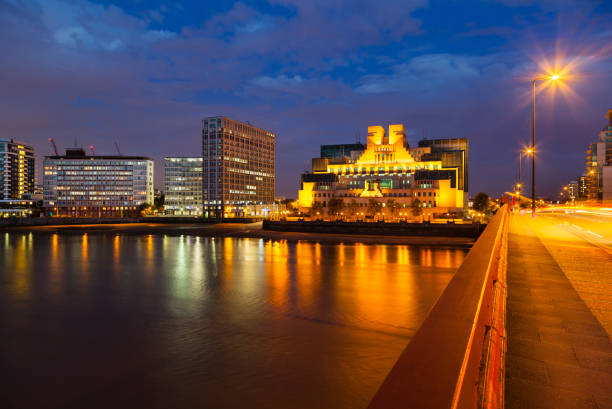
(314, 72)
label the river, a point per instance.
(160, 321)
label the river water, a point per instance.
(118, 321)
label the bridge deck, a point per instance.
(559, 355)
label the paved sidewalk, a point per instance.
(559, 355)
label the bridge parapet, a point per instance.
(456, 358)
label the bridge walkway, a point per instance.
(559, 355)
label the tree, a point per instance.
(481, 202)
(415, 207)
(317, 207)
(335, 206)
(353, 207)
(374, 206)
(158, 203)
(392, 207)
(144, 208)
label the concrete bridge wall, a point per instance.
(456, 358)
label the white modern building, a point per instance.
(183, 186)
(76, 184)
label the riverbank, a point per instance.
(471, 230)
(240, 230)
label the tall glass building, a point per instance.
(183, 186)
(238, 168)
(16, 170)
(96, 186)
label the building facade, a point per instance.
(183, 186)
(451, 152)
(17, 170)
(599, 164)
(238, 168)
(387, 169)
(96, 186)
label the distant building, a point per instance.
(599, 164)
(582, 186)
(573, 190)
(17, 170)
(387, 169)
(183, 186)
(452, 152)
(238, 178)
(75, 184)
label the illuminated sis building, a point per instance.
(183, 186)
(16, 170)
(238, 169)
(599, 165)
(435, 174)
(97, 185)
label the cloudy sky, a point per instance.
(144, 73)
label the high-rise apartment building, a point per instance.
(599, 164)
(238, 168)
(183, 186)
(16, 170)
(75, 184)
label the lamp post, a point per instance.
(533, 185)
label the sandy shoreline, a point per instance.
(251, 230)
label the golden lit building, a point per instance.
(387, 169)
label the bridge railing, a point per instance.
(456, 358)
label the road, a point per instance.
(591, 225)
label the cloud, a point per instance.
(281, 82)
(159, 35)
(428, 72)
(74, 37)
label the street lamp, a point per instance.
(553, 77)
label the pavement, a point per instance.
(559, 302)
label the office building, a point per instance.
(183, 186)
(238, 167)
(451, 152)
(387, 169)
(76, 184)
(599, 164)
(17, 170)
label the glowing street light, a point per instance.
(553, 77)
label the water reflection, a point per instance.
(222, 321)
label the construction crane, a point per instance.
(117, 147)
(54, 147)
(91, 148)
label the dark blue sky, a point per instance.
(314, 72)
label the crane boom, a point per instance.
(54, 147)
(117, 147)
